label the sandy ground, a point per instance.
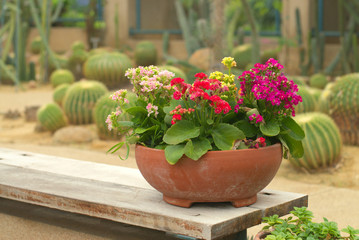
(325, 201)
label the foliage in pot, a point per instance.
(211, 114)
(302, 227)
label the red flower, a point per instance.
(261, 141)
(176, 81)
(175, 118)
(177, 95)
(200, 75)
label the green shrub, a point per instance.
(301, 226)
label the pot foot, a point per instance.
(178, 201)
(244, 202)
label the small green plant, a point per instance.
(302, 227)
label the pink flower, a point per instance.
(152, 109)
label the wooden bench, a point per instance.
(122, 195)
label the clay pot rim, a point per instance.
(222, 151)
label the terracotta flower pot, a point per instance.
(219, 176)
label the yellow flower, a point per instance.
(229, 62)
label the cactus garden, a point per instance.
(60, 75)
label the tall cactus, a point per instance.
(344, 107)
(105, 106)
(108, 68)
(322, 143)
(145, 54)
(51, 117)
(80, 99)
(61, 76)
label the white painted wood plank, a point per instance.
(121, 194)
(127, 204)
(72, 167)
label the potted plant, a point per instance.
(210, 141)
(302, 227)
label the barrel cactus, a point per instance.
(299, 80)
(51, 117)
(322, 143)
(108, 68)
(105, 106)
(344, 107)
(318, 80)
(78, 45)
(61, 76)
(308, 103)
(60, 92)
(323, 102)
(145, 54)
(242, 55)
(178, 72)
(80, 99)
(36, 45)
(316, 93)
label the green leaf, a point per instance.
(252, 111)
(136, 110)
(173, 153)
(180, 132)
(125, 123)
(210, 121)
(224, 135)
(270, 128)
(248, 129)
(196, 148)
(173, 105)
(143, 130)
(295, 147)
(294, 130)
